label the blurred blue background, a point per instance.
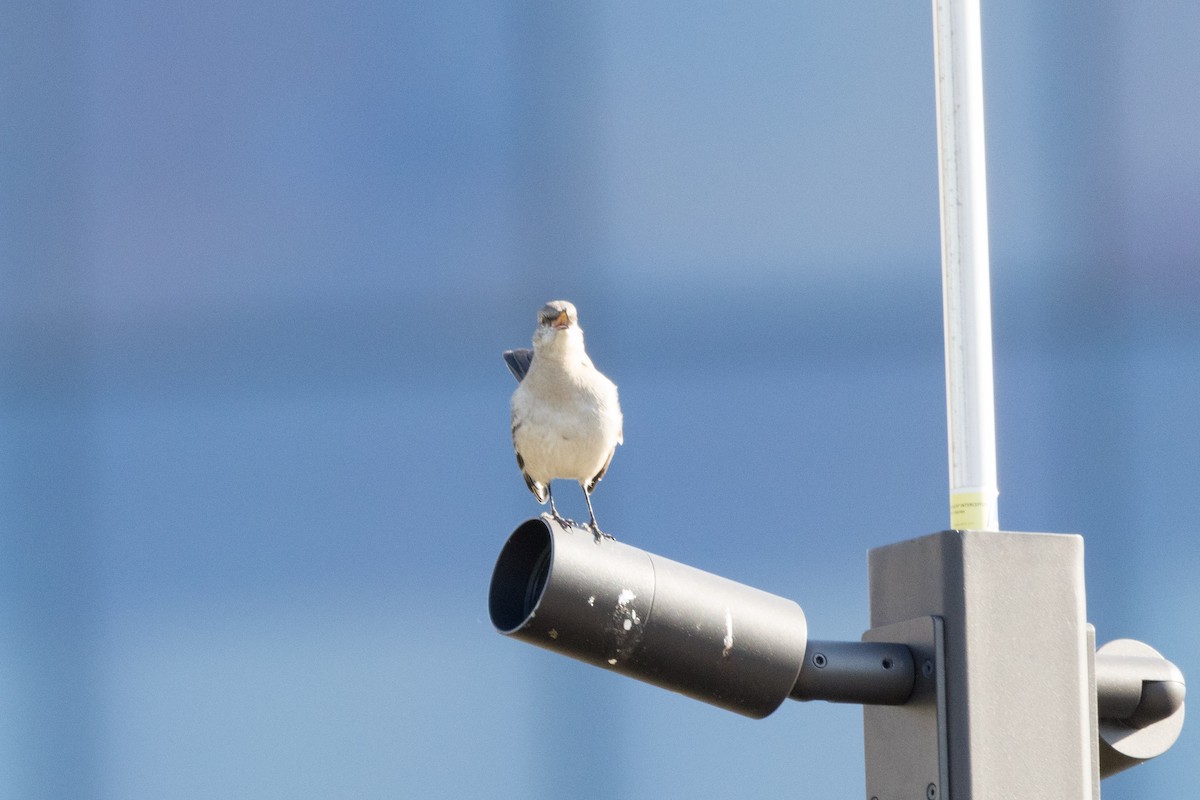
(258, 261)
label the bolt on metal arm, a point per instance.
(870, 673)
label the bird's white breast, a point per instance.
(566, 419)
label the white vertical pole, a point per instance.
(966, 291)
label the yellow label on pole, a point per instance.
(967, 511)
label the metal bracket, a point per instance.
(907, 753)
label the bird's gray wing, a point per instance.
(518, 362)
(590, 486)
(540, 490)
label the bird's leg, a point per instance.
(559, 518)
(595, 528)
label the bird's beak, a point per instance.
(562, 320)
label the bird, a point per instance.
(566, 416)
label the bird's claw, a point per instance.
(599, 534)
(561, 520)
(570, 523)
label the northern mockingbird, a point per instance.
(566, 421)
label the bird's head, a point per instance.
(558, 323)
(558, 314)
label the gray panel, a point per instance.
(905, 745)
(1017, 687)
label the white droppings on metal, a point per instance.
(728, 641)
(592, 600)
(630, 614)
(624, 629)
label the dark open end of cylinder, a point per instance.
(521, 574)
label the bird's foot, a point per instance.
(561, 520)
(599, 534)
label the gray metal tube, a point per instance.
(870, 673)
(621, 608)
(1140, 702)
(1138, 689)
